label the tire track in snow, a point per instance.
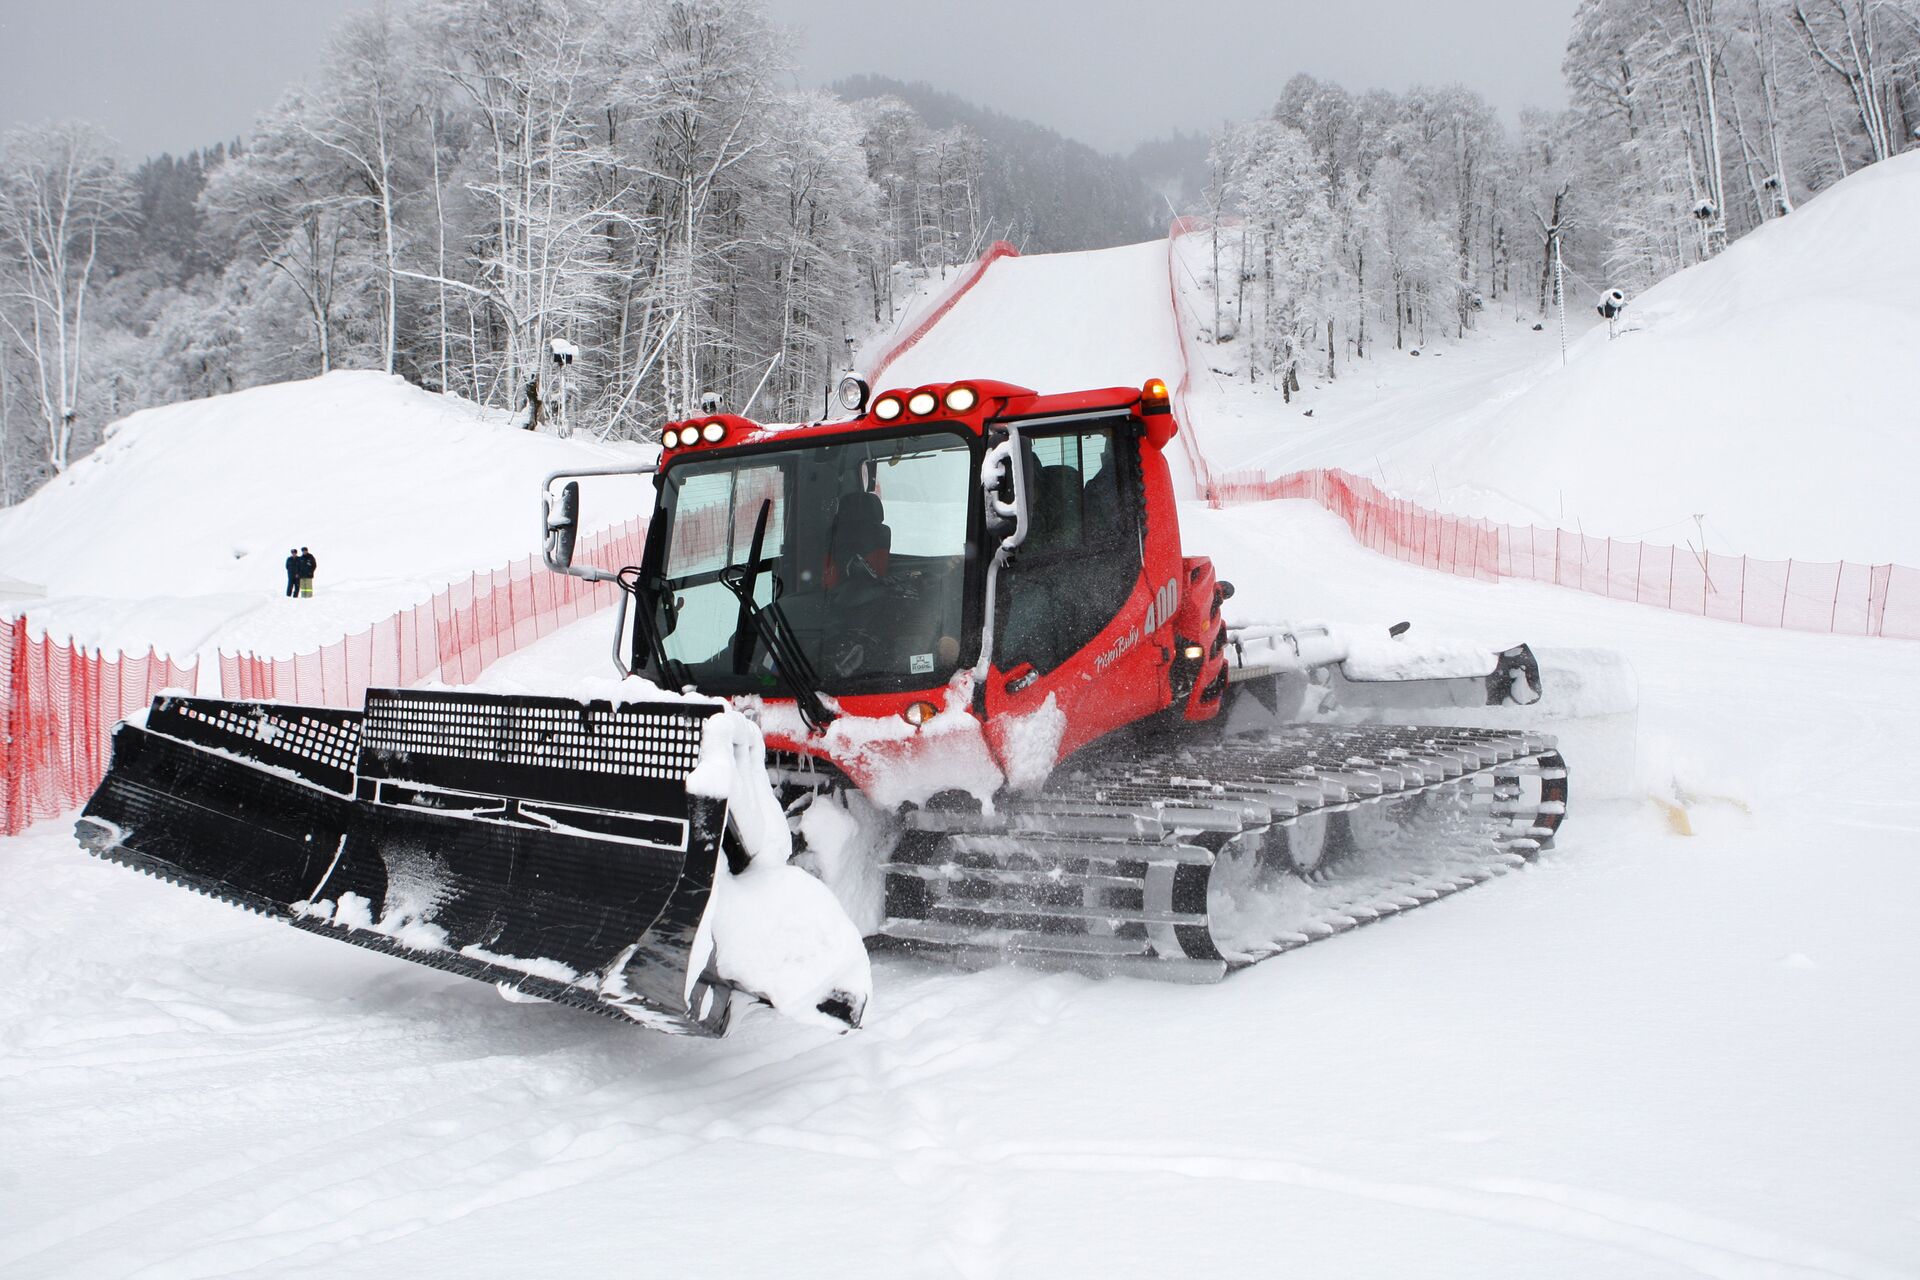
(1700, 1242)
(603, 1109)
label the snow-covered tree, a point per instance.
(1281, 191)
(62, 196)
(361, 121)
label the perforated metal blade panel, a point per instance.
(626, 756)
(319, 744)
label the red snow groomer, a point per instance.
(962, 617)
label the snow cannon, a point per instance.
(550, 846)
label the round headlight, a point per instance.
(919, 713)
(713, 433)
(671, 439)
(921, 403)
(887, 408)
(853, 393)
(961, 399)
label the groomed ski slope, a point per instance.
(1058, 322)
(1647, 1056)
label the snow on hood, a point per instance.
(894, 762)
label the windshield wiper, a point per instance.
(631, 580)
(775, 632)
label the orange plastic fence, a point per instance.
(1796, 595)
(1835, 598)
(58, 704)
(453, 637)
(1203, 475)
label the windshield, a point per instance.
(862, 551)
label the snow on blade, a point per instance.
(773, 930)
(948, 752)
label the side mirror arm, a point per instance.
(560, 529)
(560, 519)
(1009, 454)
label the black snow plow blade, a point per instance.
(543, 844)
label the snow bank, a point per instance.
(396, 490)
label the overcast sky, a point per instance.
(170, 75)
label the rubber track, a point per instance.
(1112, 868)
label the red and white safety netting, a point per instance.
(1837, 598)
(61, 701)
(58, 705)
(451, 638)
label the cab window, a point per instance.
(1081, 557)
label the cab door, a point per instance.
(1077, 650)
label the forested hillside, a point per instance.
(464, 184)
(1046, 193)
(1376, 219)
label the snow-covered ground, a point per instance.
(398, 491)
(1648, 1055)
(1055, 322)
(1059, 322)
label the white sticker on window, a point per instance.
(920, 664)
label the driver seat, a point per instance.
(859, 533)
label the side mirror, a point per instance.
(1002, 485)
(563, 525)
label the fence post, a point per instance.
(1786, 587)
(1833, 614)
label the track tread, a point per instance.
(1031, 883)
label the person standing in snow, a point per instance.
(308, 567)
(294, 567)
